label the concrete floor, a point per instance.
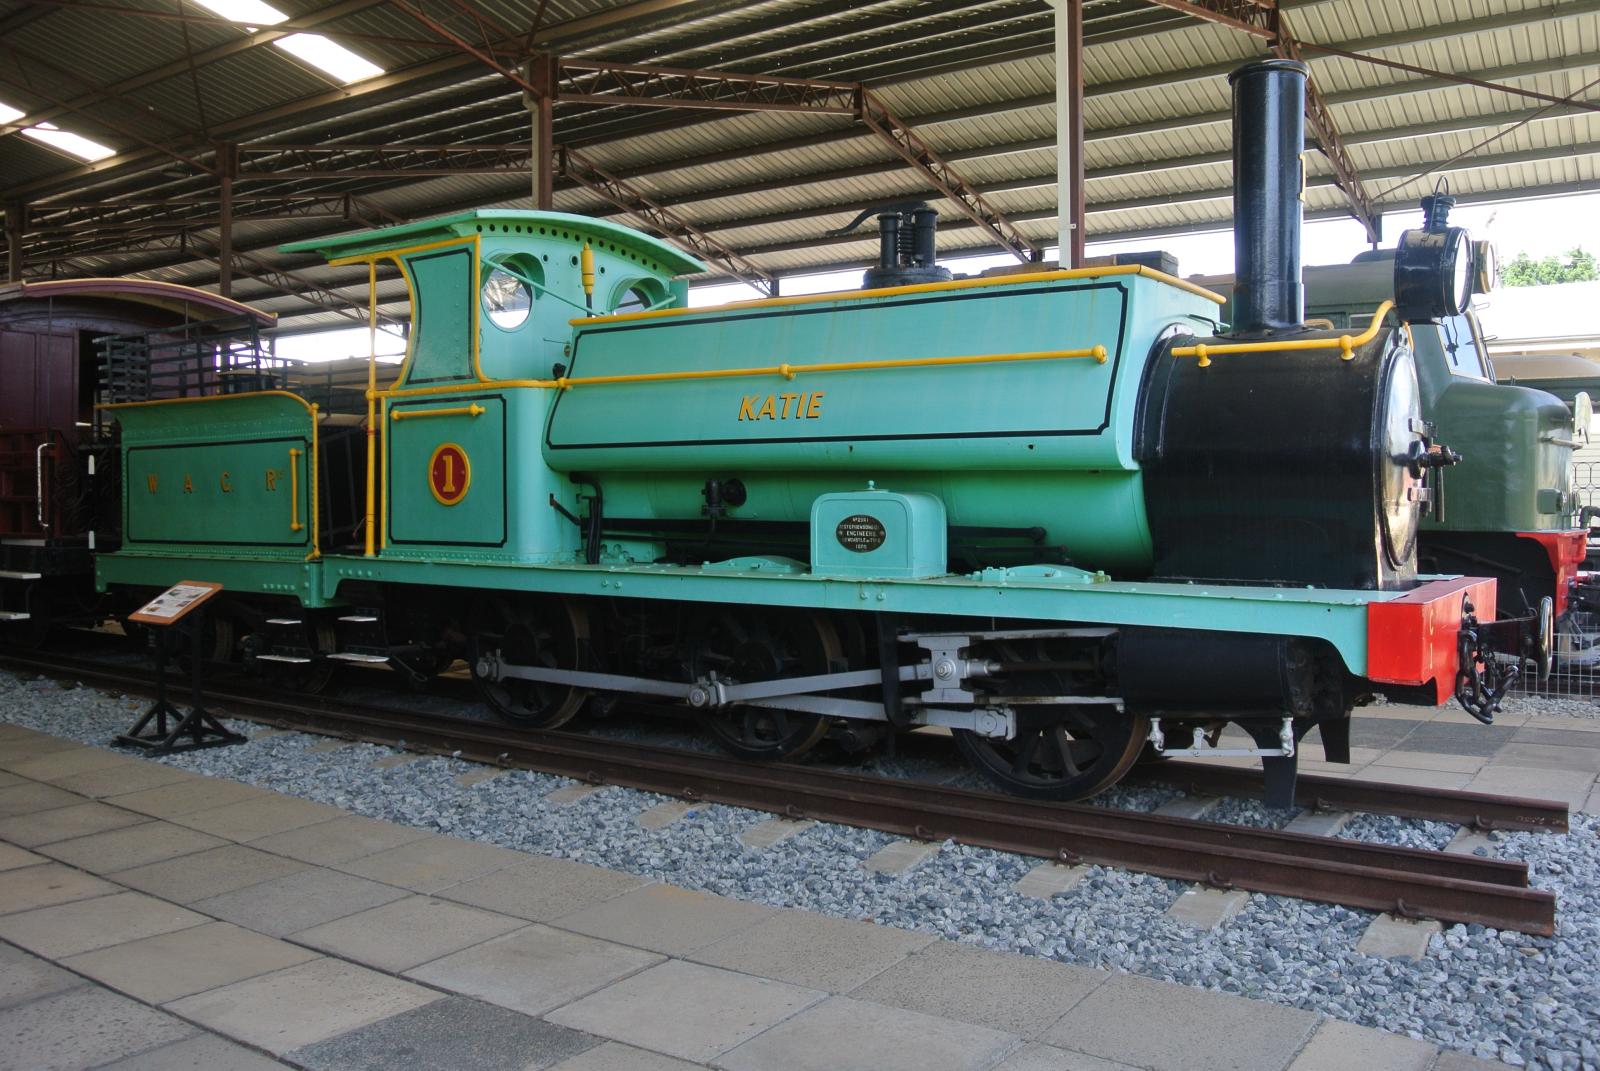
(155, 919)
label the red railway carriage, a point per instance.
(65, 346)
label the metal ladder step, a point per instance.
(284, 621)
(8, 574)
(293, 660)
(14, 615)
(359, 619)
(352, 656)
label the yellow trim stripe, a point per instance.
(1345, 344)
(215, 398)
(789, 371)
(917, 288)
(465, 388)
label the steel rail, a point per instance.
(1476, 810)
(1406, 881)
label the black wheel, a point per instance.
(741, 645)
(1059, 753)
(553, 633)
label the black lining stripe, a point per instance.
(305, 492)
(505, 494)
(1116, 360)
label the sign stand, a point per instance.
(198, 728)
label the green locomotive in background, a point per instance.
(1065, 515)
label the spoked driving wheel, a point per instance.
(1059, 753)
(553, 633)
(745, 645)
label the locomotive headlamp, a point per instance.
(1434, 266)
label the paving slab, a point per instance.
(842, 1034)
(32, 796)
(19, 749)
(1570, 732)
(663, 814)
(614, 1056)
(543, 889)
(1318, 823)
(1036, 1057)
(209, 873)
(431, 928)
(453, 1034)
(1396, 938)
(665, 918)
(172, 965)
(1591, 805)
(203, 1052)
(898, 857)
(1400, 775)
(187, 797)
(25, 977)
(813, 950)
(131, 846)
(252, 819)
(1050, 879)
(1429, 760)
(49, 1034)
(764, 835)
(64, 823)
(302, 1005)
(1205, 908)
(7, 779)
(298, 901)
(1019, 995)
(131, 776)
(1339, 1046)
(29, 887)
(1450, 1060)
(434, 863)
(534, 969)
(1441, 737)
(1187, 807)
(570, 794)
(1549, 757)
(1571, 786)
(685, 1009)
(67, 929)
(1167, 1027)
(12, 857)
(339, 840)
(65, 763)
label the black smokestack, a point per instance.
(1269, 101)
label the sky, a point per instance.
(1542, 227)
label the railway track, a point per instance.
(1406, 881)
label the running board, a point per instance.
(284, 621)
(364, 659)
(293, 660)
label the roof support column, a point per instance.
(15, 215)
(227, 170)
(1069, 130)
(541, 162)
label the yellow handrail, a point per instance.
(472, 410)
(789, 371)
(294, 489)
(1345, 344)
(367, 535)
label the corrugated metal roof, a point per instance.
(976, 77)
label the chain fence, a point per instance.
(1575, 672)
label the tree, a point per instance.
(1576, 266)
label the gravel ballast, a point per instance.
(1529, 1001)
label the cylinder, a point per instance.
(924, 222)
(889, 241)
(1269, 99)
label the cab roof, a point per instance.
(498, 221)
